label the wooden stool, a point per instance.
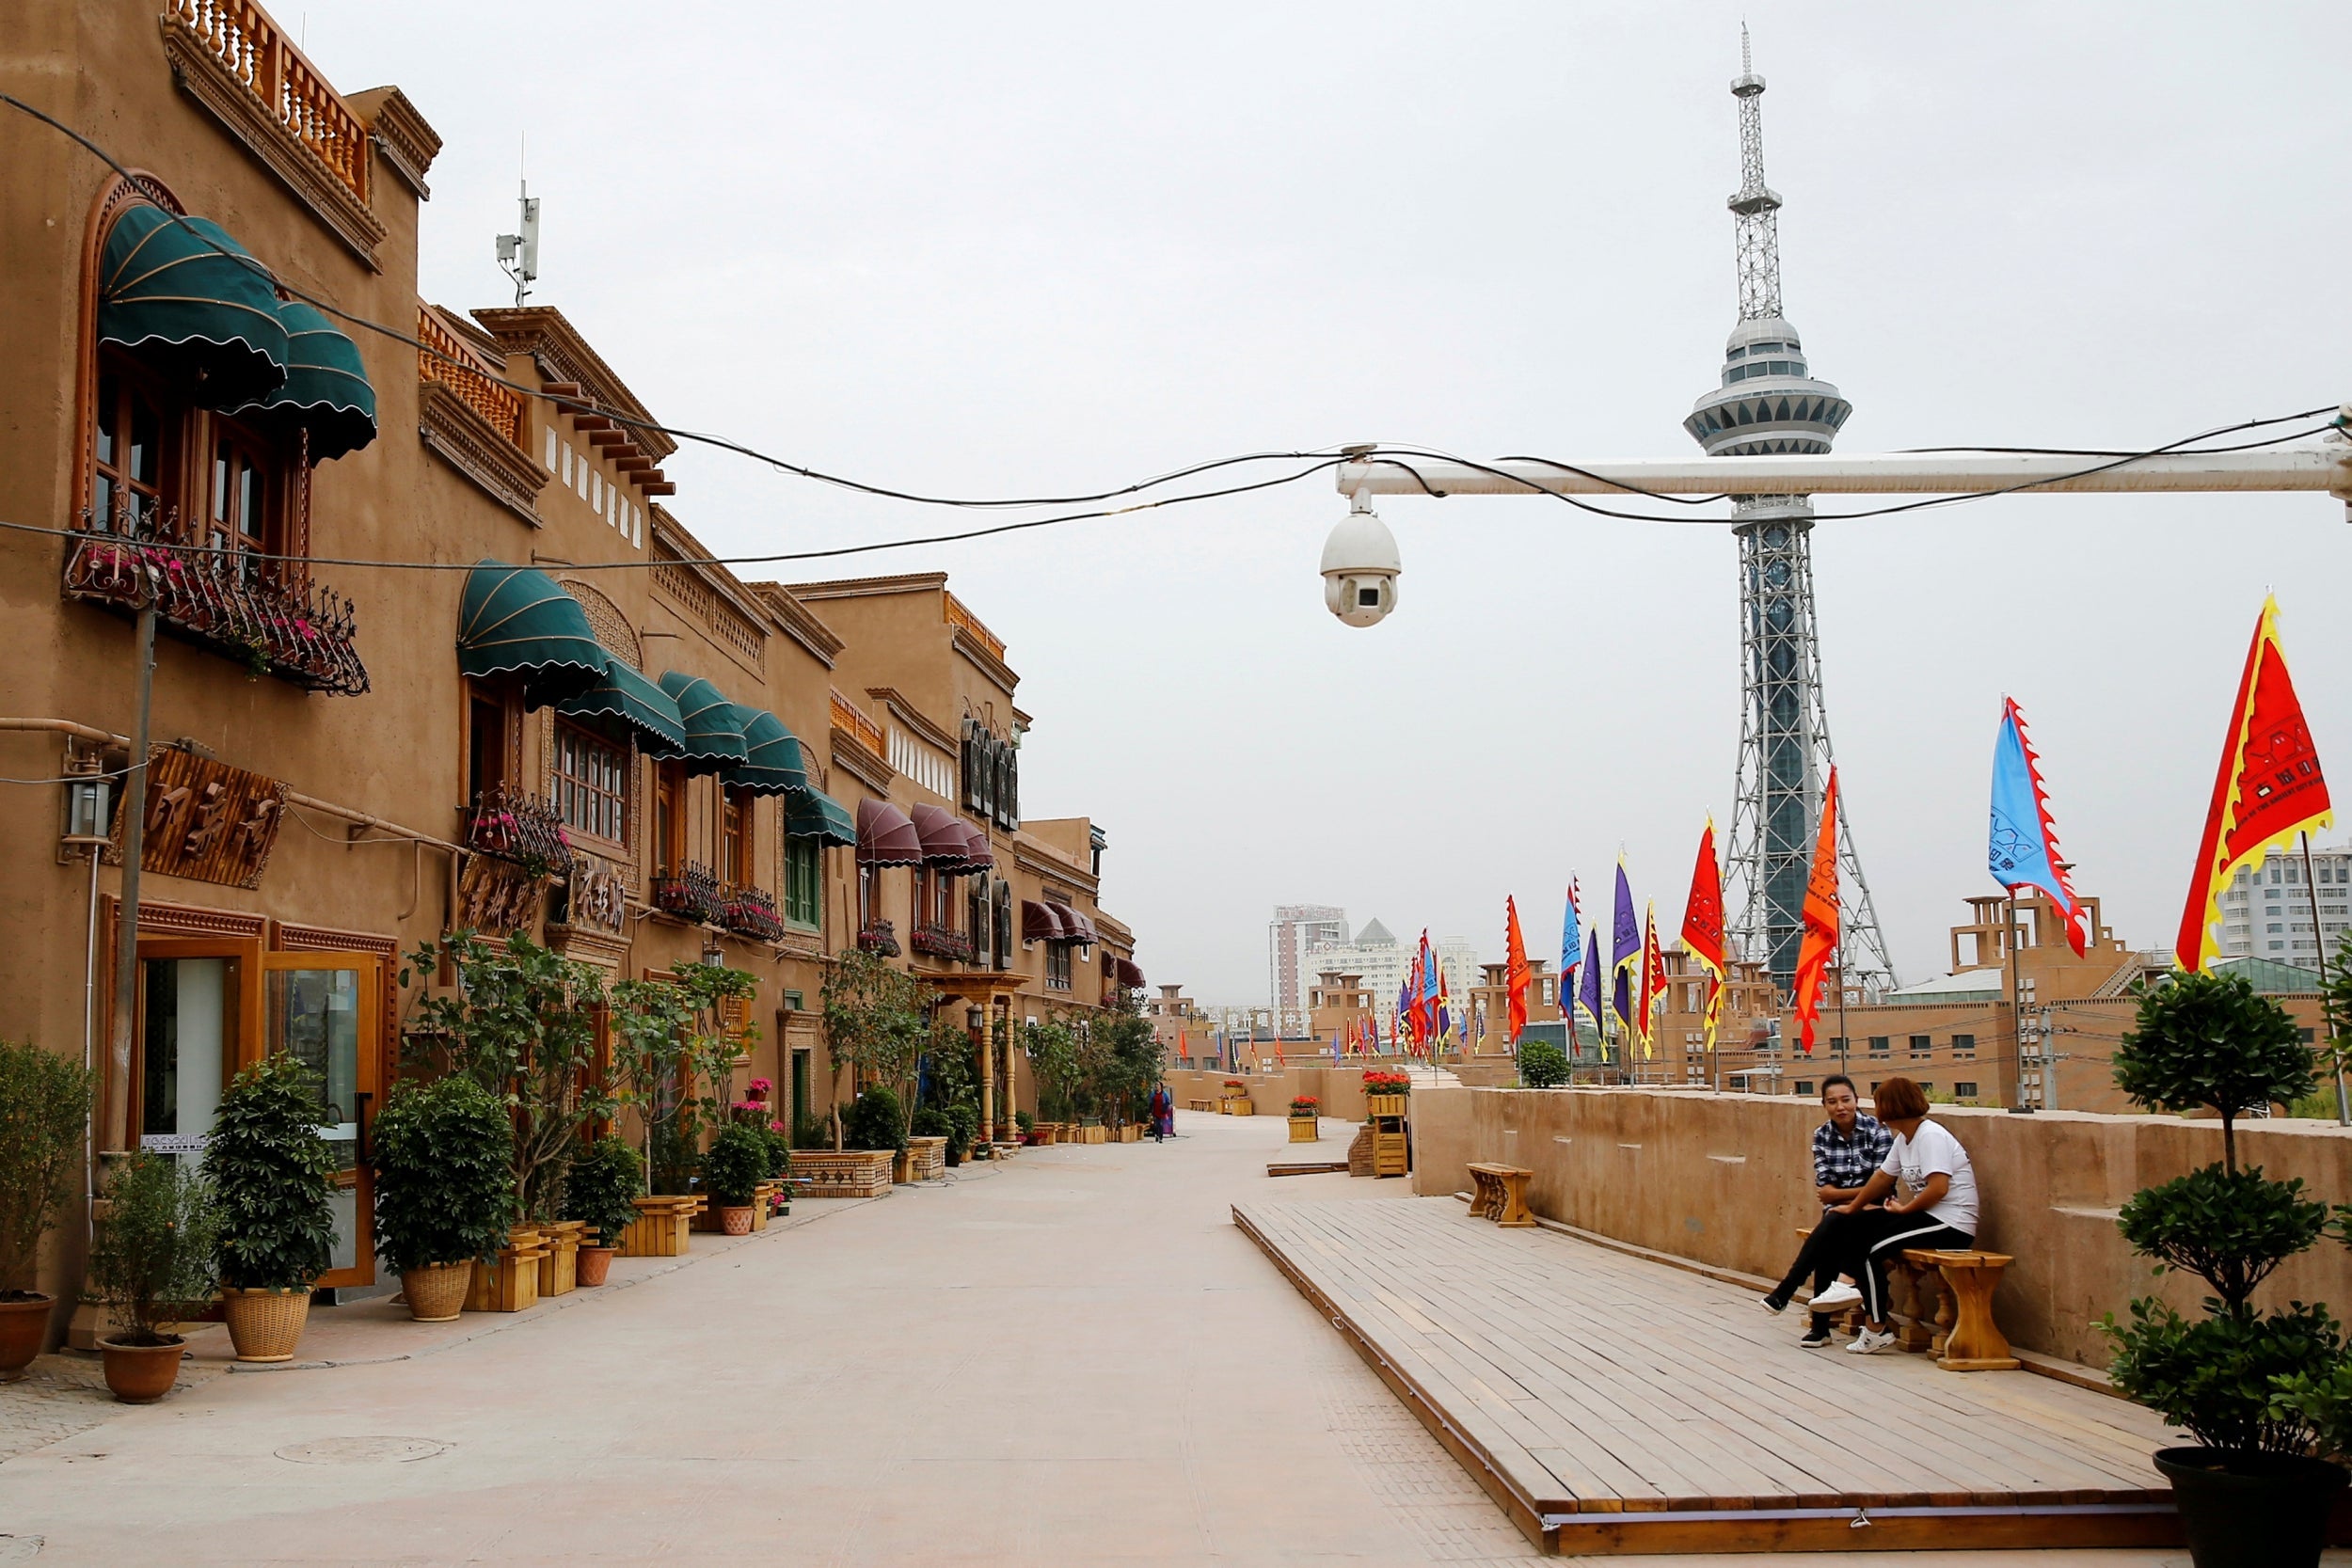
(1974, 1342)
(1501, 1195)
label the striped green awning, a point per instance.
(714, 736)
(185, 299)
(518, 621)
(773, 765)
(326, 390)
(630, 697)
(813, 813)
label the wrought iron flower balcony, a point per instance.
(878, 936)
(691, 893)
(750, 911)
(521, 829)
(943, 942)
(272, 620)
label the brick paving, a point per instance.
(63, 1395)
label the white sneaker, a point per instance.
(1870, 1341)
(1838, 1295)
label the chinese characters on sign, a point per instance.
(206, 821)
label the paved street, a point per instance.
(1072, 1358)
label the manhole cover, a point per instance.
(362, 1450)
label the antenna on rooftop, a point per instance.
(518, 254)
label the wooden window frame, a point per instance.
(668, 846)
(567, 786)
(812, 896)
(735, 837)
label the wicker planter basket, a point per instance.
(437, 1291)
(265, 1324)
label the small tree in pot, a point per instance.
(274, 1182)
(45, 1111)
(2209, 1041)
(605, 1180)
(444, 1189)
(733, 1168)
(154, 1268)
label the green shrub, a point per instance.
(600, 1189)
(45, 1111)
(964, 1117)
(2322, 1399)
(272, 1176)
(1024, 1122)
(444, 1187)
(2217, 1377)
(2230, 1229)
(932, 1122)
(873, 1121)
(812, 1132)
(1542, 1065)
(779, 1149)
(735, 1164)
(156, 1261)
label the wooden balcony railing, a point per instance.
(963, 620)
(458, 365)
(847, 716)
(247, 44)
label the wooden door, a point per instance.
(328, 1010)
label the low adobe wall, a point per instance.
(1727, 1180)
(1340, 1090)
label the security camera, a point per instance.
(1361, 567)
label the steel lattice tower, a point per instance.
(1767, 402)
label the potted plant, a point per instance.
(44, 1112)
(733, 1168)
(780, 1168)
(1542, 1065)
(601, 1192)
(274, 1182)
(1385, 1092)
(1306, 1123)
(444, 1188)
(153, 1266)
(2248, 1485)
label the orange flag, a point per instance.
(1515, 972)
(2269, 788)
(1820, 946)
(1703, 925)
(1653, 980)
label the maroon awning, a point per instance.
(1081, 928)
(1129, 975)
(884, 836)
(941, 832)
(1042, 922)
(977, 854)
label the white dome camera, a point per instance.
(1361, 567)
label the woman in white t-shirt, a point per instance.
(1941, 1211)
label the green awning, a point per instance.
(518, 621)
(772, 765)
(326, 390)
(714, 736)
(188, 300)
(813, 813)
(630, 697)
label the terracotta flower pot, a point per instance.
(141, 1374)
(437, 1291)
(23, 1326)
(594, 1263)
(265, 1324)
(735, 1221)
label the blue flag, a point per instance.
(2022, 849)
(1571, 951)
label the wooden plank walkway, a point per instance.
(1613, 1404)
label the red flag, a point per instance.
(1703, 925)
(1820, 946)
(1653, 980)
(1515, 972)
(2268, 789)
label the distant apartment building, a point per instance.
(2266, 910)
(1296, 932)
(1378, 960)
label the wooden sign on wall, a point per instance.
(206, 821)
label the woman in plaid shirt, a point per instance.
(1846, 1149)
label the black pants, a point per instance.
(1867, 1239)
(1819, 1258)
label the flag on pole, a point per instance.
(1653, 983)
(1588, 994)
(1703, 926)
(2269, 788)
(1571, 952)
(1625, 954)
(1820, 944)
(2021, 850)
(1432, 988)
(1516, 970)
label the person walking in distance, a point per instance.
(1848, 1149)
(1939, 1212)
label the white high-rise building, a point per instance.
(1376, 955)
(1297, 931)
(2266, 910)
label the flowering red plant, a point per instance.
(1304, 1106)
(1379, 1081)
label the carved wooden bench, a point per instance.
(1208, 1105)
(1501, 1193)
(1937, 1298)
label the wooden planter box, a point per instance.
(842, 1173)
(1387, 1154)
(763, 1199)
(1305, 1130)
(1386, 1105)
(1239, 1105)
(510, 1282)
(926, 1158)
(1094, 1135)
(1131, 1133)
(659, 1228)
(559, 1269)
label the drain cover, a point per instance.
(362, 1450)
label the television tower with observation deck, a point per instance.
(1769, 402)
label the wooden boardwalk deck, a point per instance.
(1613, 1404)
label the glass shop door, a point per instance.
(328, 1010)
(192, 1031)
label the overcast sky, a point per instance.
(1027, 249)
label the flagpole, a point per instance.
(2016, 1022)
(2319, 944)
